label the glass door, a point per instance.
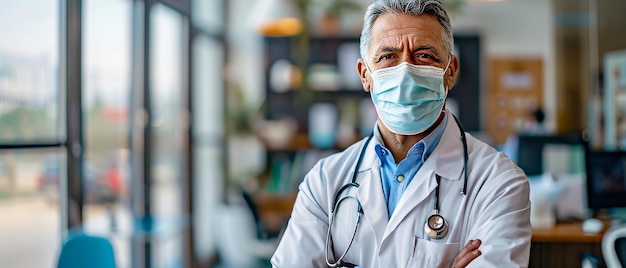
(178, 170)
(169, 126)
(106, 91)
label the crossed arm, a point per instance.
(467, 254)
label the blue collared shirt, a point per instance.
(396, 177)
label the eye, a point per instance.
(425, 58)
(385, 57)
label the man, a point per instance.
(419, 192)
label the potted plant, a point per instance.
(329, 13)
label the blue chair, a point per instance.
(86, 251)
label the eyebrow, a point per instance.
(384, 50)
(417, 49)
(434, 49)
(390, 49)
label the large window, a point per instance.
(169, 125)
(208, 133)
(30, 179)
(106, 95)
(31, 224)
(97, 128)
(207, 102)
(29, 64)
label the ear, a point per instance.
(450, 75)
(365, 79)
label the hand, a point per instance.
(467, 254)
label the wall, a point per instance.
(514, 28)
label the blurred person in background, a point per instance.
(534, 124)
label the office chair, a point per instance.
(236, 239)
(614, 246)
(262, 232)
(83, 250)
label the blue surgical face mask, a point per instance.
(408, 98)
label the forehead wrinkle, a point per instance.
(398, 44)
(411, 36)
(390, 49)
(395, 33)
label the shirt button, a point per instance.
(400, 178)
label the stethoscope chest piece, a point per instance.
(436, 227)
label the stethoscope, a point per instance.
(435, 227)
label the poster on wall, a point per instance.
(515, 91)
(615, 100)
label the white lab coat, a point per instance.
(496, 210)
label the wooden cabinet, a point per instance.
(300, 74)
(303, 74)
(563, 246)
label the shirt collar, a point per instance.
(429, 142)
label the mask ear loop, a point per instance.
(367, 66)
(371, 75)
(448, 65)
(444, 72)
(365, 63)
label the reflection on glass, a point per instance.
(31, 224)
(106, 93)
(28, 71)
(168, 130)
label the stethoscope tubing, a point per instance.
(353, 182)
(330, 226)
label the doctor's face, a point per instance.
(397, 38)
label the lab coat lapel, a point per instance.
(420, 188)
(371, 194)
(447, 157)
(446, 161)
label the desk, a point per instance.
(562, 245)
(274, 210)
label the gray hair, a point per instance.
(410, 7)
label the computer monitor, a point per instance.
(606, 179)
(539, 154)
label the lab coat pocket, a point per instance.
(432, 254)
